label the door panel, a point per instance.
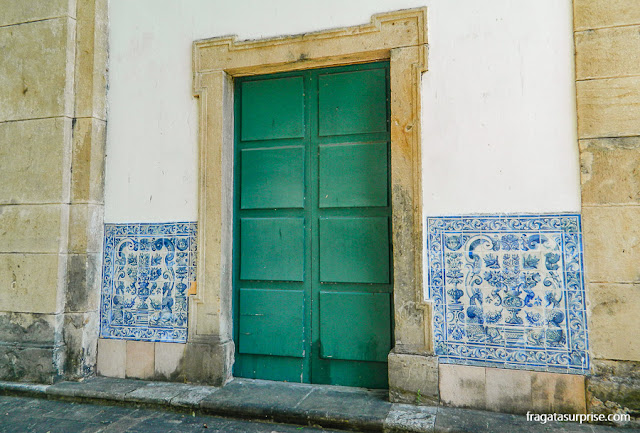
(352, 102)
(355, 326)
(275, 109)
(353, 175)
(272, 249)
(272, 178)
(312, 247)
(354, 250)
(271, 322)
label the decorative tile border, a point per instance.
(147, 270)
(508, 291)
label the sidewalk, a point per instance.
(314, 405)
(41, 415)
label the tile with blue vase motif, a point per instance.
(147, 270)
(508, 291)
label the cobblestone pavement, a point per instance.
(36, 415)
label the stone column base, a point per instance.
(209, 362)
(413, 378)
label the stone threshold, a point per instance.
(353, 409)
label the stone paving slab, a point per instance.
(192, 395)
(408, 418)
(334, 407)
(454, 420)
(260, 399)
(350, 409)
(156, 392)
(98, 388)
(39, 415)
(329, 406)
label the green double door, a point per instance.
(312, 226)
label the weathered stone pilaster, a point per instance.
(52, 84)
(608, 96)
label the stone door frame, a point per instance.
(399, 37)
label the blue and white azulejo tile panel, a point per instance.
(147, 270)
(508, 291)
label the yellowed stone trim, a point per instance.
(358, 44)
(399, 37)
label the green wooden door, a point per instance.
(312, 226)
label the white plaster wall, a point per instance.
(498, 100)
(498, 105)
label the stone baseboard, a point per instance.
(206, 361)
(511, 391)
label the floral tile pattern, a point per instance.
(147, 270)
(508, 291)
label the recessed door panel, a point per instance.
(272, 322)
(272, 178)
(353, 175)
(272, 109)
(354, 250)
(355, 326)
(352, 102)
(272, 249)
